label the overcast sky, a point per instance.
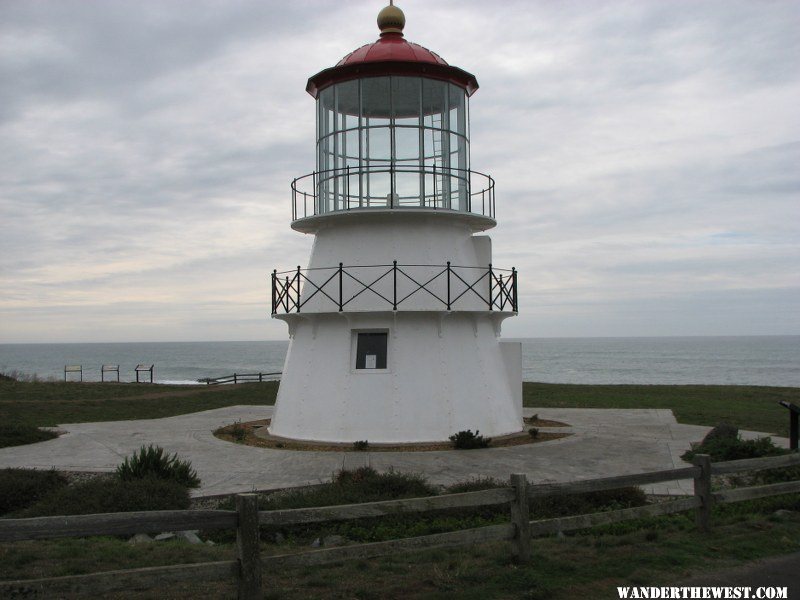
(646, 153)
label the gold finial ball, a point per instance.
(391, 20)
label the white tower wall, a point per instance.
(445, 373)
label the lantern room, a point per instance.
(392, 132)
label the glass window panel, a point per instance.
(433, 146)
(458, 152)
(354, 186)
(433, 101)
(326, 111)
(379, 143)
(371, 350)
(347, 104)
(457, 112)
(379, 188)
(406, 140)
(405, 100)
(375, 100)
(349, 147)
(407, 188)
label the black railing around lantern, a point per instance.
(393, 186)
(451, 287)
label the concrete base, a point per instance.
(607, 442)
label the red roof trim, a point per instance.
(347, 72)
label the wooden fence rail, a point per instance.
(236, 378)
(248, 568)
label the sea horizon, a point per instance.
(765, 360)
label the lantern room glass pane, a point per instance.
(406, 144)
(347, 104)
(406, 100)
(375, 100)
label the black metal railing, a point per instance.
(449, 286)
(393, 186)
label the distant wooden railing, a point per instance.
(247, 569)
(240, 378)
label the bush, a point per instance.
(238, 431)
(466, 440)
(153, 462)
(474, 485)
(533, 432)
(546, 507)
(15, 434)
(361, 445)
(350, 487)
(19, 488)
(112, 495)
(734, 448)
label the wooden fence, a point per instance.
(241, 378)
(247, 569)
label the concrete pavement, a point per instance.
(605, 442)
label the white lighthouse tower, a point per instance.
(395, 324)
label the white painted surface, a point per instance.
(411, 239)
(434, 385)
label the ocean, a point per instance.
(752, 360)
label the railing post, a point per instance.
(702, 490)
(288, 295)
(491, 282)
(448, 285)
(234, 379)
(247, 547)
(274, 278)
(394, 298)
(520, 517)
(297, 277)
(514, 288)
(340, 288)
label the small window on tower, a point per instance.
(371, 350)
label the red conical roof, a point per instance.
(391, 47)
(391, 54)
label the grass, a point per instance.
(747, 407)
(19, 434)
(52, 403)
(49, 404)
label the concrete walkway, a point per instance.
(605, 442)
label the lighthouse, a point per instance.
(395, 323)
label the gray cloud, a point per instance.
(645, 155)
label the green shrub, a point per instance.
(112, 495)
(238, 431)
(474, 485)
(533, 432)
(153, 462)
(466, 440)
(361, 445)
(350, 487)
(730, 448)
(16, 434)
(546, 507)
(19, 488)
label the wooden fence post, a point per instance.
(247, 546)
(520, 517)
(702, 490)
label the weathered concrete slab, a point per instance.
(605, 442)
